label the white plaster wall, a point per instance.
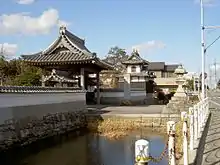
(121, 94)
(138, 69)
(20, 108)
(115, 98)
(128, 69)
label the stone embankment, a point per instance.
(28, 130)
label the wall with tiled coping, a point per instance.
(21, 124)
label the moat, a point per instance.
(87, 149)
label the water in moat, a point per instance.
(87, 149)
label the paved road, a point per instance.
(211, 153)
(10, 100)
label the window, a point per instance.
(133, 69)
(170, 74)
(135, 78)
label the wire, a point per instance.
(212, 43)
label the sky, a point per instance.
(161, 30)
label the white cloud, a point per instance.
(25, 2)
(206, 2)
(24, 23)
(9, 50)
(149, 46)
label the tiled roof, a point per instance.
(171, 68)
(59, 57)
(67, 48)
(135, 59)
(156, 66)
(76, 40)
(159, 66)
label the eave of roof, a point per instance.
(137, 60)
(77, 54)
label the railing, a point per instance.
(197, 117)
(38, 89)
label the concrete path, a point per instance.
(211, 144)
(113, 110)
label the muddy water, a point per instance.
(86, 149)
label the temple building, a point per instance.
(68, 54)
(140, 69)
(140, 77)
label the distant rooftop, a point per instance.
(161, 66)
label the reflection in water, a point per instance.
(92, 149)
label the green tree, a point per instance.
(16, 72)
(29, 77)
(115, 57)
(3, 69)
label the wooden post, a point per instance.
(185, 144)
(98, 88)
(127, 86)
(171, 143)
(191, 128)
(43, 81)
(82, 78)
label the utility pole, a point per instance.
(210, 76)
(203, 48)
(215, 71)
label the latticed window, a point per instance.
(133, 69)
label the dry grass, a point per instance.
(113, 128)
(116, 128)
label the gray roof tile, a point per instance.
(171, 68)
(156, 66)
(76, 51)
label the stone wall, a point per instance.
(30, 129)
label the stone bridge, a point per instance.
(208, 151)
